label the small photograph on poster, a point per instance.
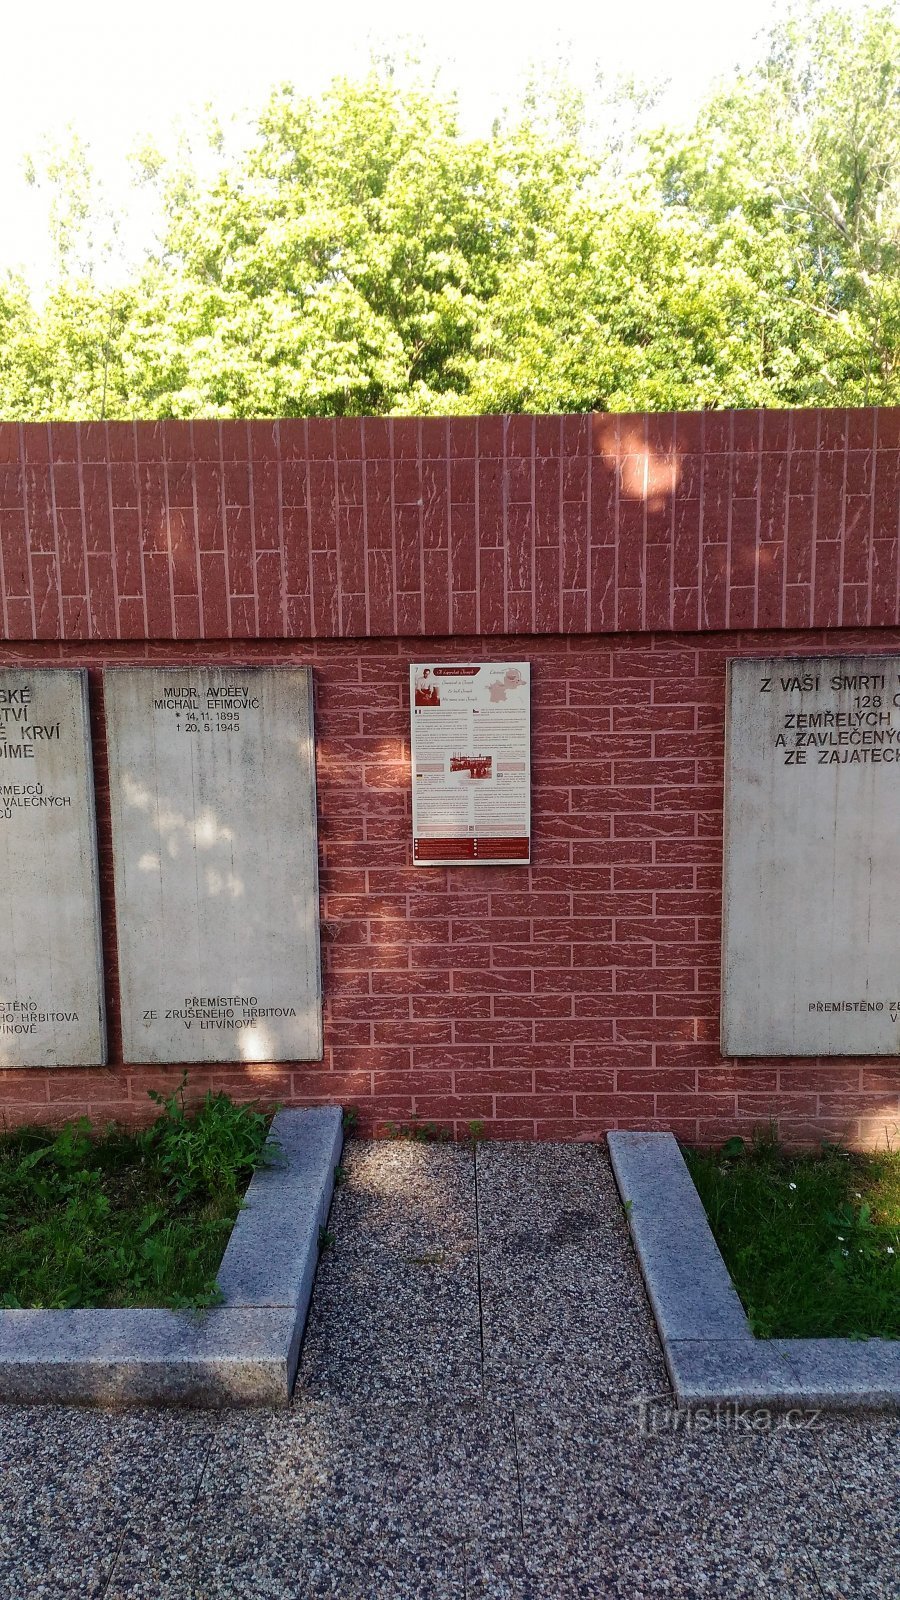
(471, 763)
(475, 769)
(427, 688)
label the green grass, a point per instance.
(812, 1242)
(125, 1218)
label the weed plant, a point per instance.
(812, 1241)
(418, 1132)
(123, 1217)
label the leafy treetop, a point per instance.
(362, 254)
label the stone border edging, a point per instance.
(242, 1352)
(710, 1350)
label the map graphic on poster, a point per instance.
(471, 763)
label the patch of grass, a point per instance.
(812, 1242)
(125, 1218)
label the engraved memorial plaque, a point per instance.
(212, 788)
(51, 987)
(811, 931)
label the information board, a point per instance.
(471, 763)
(812, 857)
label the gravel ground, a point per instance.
(481, 1412)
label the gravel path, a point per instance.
(482, 1413)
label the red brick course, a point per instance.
(627, 558)
(384, 528)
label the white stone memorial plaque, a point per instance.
(810, 951)
(212, 789)
(51, 985)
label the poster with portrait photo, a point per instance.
(471, 763)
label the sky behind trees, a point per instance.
(369, 246)
(119, 73)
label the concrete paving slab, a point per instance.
(275, 1560)
(336, 1467)
(599, 1475)
(563, 1310)
(862, 1455)
(61, 1456)
(156, 1559)
(396, 1308)
(41, 1571)
(73, 1480)
(860, 1571)
(646, 1570)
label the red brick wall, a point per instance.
(554, 1001)
(491, 525)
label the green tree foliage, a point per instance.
(363, 254)
(18, 343)
(796, 168)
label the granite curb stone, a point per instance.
(270, 1259)
(244, 1351)
(711, 1352)
(688, 1283)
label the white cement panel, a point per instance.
(811, 934)
(212, 787)
(51, 987)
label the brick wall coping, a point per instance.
(431, 527)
